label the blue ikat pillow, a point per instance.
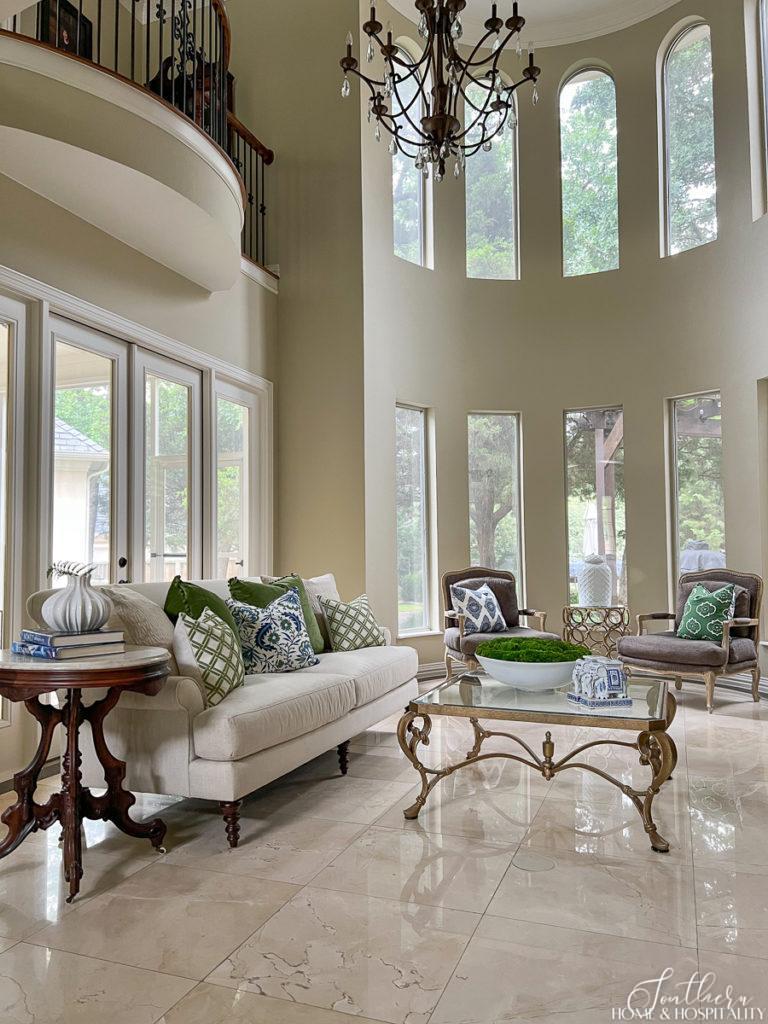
(275, 638)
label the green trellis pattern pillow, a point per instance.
(706, 612)
(217, 652)
(352, 626)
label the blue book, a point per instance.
(65, 653)
(47, 638)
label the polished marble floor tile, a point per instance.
(633, 897)
(358, 801)
(172, 919)
(357, 954)
(747, 978)
(732, 911)
(282, 848)
(517, 971)
(33, 891)
(211, 1004)
(609, 825)
(47, 986)
(728, 821)
(441, 871)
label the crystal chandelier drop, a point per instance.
(442, 106)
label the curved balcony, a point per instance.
(120, 111)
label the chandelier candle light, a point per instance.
(437, 84)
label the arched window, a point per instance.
(492, 204)
(690, 181)
(589, 173)
(411, 190)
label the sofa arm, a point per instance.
(387, 636)
(153, 735)
(642, 620)
(539, 619)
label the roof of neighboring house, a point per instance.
(69, 441)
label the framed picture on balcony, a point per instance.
(64, 26)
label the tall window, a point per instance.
(594, 441)
(410, 188)
(699, 507)
(495, 517)
(233, 435)
(412, 520)
(589, 173)
(690, 184)
(492, 200)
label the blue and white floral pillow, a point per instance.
(480, 608)
(275, 638)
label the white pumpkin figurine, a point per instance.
(79, 607)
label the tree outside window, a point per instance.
(495, 514)
(412, 520)
(691, 180)
(589, 174)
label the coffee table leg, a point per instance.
(659, 750)
(25, 815)
(115, 804)
(410, 736)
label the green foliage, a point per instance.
(88, 410)
(491, 198)
(410, 505)
(494, 492)
(589, 172)
(531, 651)
(691, 142)
(700, 499)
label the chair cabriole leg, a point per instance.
(709, 682)
(756, 684)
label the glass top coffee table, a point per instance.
(476, 696)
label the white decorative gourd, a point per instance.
(77, 608)
(595, 583)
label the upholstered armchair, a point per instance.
(665, 654)
(459, 646)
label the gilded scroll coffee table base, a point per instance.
(656, 749)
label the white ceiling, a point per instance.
(553, 22)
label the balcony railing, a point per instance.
(179, 51)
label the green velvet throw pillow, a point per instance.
(259, 595)
(189, 599)
(706, 612)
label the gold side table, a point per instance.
(599, 627)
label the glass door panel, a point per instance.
(89, 389)
(233, 470)
(5, 359)
(168, 468)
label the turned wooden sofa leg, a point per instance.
(343, 752)
(678, 682)
(231, 814)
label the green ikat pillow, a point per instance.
(706, 613)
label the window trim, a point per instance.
(673, 545)
(668, 46)
(762, 41)
(574, 73)
(428, 483)
(521, 578)
(516, 185)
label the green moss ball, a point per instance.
(530, 651)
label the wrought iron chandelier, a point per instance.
(419, 101)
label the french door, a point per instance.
(238, 542)
(126, 443)
(167, 469)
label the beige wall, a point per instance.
(656, 328)
(315, 223)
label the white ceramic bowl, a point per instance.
(532, 676)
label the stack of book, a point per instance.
(69, 646)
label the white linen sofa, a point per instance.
(174, 745)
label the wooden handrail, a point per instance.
(266, 154)
(226, 29)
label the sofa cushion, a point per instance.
(270, 709)
(275, 638)
(191, 599)
(260, 595)
(352, 625)
(373, 670)
(468, 644)
(667, 649)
